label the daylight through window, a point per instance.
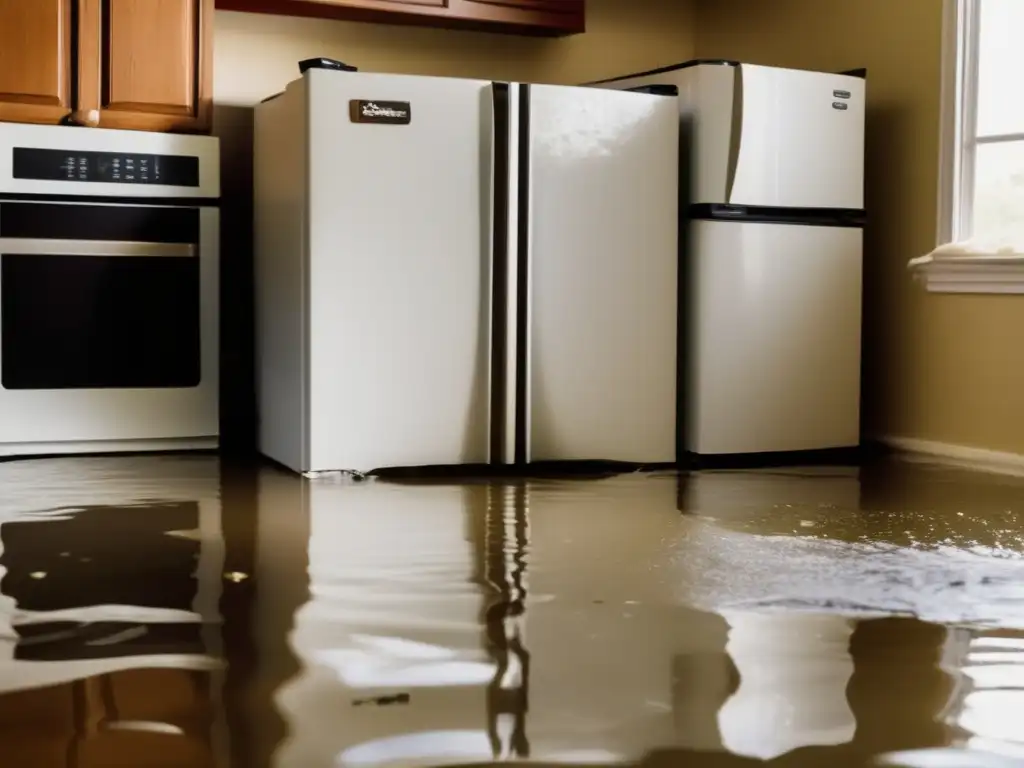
(991, 195)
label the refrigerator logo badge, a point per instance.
(382, 112)
(840, 105)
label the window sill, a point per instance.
(974, 273)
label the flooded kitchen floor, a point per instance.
(167, 611)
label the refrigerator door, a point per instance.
(399, 302)
(598, 261)
(775, 338)
(797, 139)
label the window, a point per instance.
(983, 103)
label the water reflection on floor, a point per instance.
(167, 611)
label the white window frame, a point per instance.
(958, 143)
(959, 116)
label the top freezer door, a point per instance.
(797, 139)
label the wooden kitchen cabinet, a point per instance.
(537, 17)
(139, 64)
(146, 64)
(35, 60)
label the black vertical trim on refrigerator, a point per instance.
(522, 298)
(499, 273)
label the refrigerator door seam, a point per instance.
(500, 212)
(512, 276)
(523, 293)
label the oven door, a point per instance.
(108, 324)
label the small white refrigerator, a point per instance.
(460, 272)
(774, 250)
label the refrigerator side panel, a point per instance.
(775, 338)
(801, 139)
(706, 104)
(603, 253)
(281, 272)
(400, 284)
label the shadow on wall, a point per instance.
(884, 190)
(234, 127)
(893, 198)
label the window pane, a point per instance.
(999, 191)
(1000, 62)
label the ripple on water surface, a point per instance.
(801, 617)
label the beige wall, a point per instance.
(256, 56)
(938, 367)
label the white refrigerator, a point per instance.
(773, 266)
(459, 272)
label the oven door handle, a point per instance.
(33, 246)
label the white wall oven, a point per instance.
(108, 290)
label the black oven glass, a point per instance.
(99, 321)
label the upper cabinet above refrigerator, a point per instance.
(767, 136)
(520, 17)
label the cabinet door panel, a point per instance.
(552, 15)
(35, 60)
(551, 6)
(538, 17)
(385, 4)
(136, 77)
(146, 64)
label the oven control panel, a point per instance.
(108, 167)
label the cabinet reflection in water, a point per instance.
(110, 576)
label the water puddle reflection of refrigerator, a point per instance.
(538, 621)
(619, 665)
(793, 673)
(792, 667)
(393, 660)
(110, 572)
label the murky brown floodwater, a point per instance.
(169, 612)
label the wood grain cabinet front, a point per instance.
(146, 64)
(534, 17)
(136, 64)
(36, 60)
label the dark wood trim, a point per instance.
(525, 17)
(90, 45)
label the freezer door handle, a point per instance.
(735, 132)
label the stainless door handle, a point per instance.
(33, 246)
